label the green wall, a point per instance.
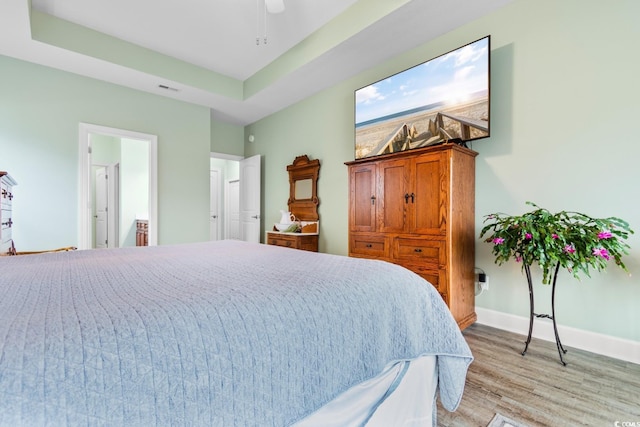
(226, 138)
(40, 110)
(564, 107)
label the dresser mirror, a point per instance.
(303, 188)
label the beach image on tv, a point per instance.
(445, 98)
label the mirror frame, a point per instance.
(303, 168)
(84, 205)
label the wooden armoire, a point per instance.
(416, 208)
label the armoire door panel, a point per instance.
(362, 210)
(392, 191)
(430, 188)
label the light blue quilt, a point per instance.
(210, 334)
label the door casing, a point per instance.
(84, 199)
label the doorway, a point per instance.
(224, 168)
(131, 160)
(236, 204)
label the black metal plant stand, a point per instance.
(561, 349)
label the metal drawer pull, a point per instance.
(373, 200)
(369, 245)
(418, 250)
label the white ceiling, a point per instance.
(220, 36)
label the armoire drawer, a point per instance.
(374, 246)
(431, 252)
(437, 277)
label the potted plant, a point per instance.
(571, 240)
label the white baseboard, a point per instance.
(605, 345)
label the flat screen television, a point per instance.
(445, 99)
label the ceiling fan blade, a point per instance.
(274, 6)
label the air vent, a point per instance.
(168, 88)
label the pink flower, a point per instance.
(518, 258)
(601, 252)
(569, 249)
(555, 236)
(528, 236)
(605, 235)
(498, 240)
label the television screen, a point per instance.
(443, 99)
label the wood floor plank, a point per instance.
(592, 390)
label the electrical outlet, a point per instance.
(484, 281)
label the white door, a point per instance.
(102, 207)
(214, 204)
(232, 209)
(250, 199)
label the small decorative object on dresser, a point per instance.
(6, 242)
(299, 226)
(416, 208)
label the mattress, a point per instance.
(222, 333)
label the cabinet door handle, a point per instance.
(413, 197)
(406, 197)
(373, 200)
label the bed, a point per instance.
(224, 333)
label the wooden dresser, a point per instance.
(417, 208)
(6, 198)
(307, 242)
(142, 232)
(303, 204)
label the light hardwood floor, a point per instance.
(592, 390)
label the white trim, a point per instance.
(605, 345)
(84, 170)
(224, 156)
